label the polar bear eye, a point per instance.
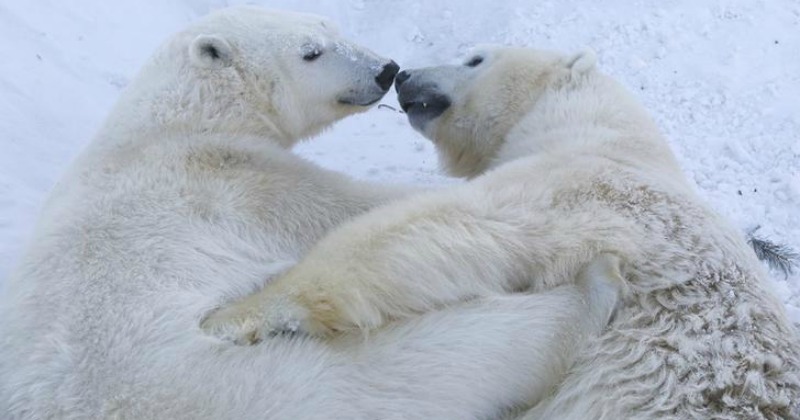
(312, 55)
(474, 61)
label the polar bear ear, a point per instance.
(211, 51)
(582, 62)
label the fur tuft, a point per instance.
(779, 257)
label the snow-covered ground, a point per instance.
(722, 77)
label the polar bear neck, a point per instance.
(607, 121)
(166, 98)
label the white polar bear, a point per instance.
(188, 197)
(573, 167)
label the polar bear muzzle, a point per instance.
(422, 102)
(367, 97)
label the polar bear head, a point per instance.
(249, 70)
(468, 109)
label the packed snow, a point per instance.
(721, 77)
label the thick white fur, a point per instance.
(187, 198)
(572, 166)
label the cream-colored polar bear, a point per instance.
(572, 167)
(187, 198)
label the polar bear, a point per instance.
(565, 165)
(189, 197)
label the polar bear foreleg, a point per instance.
(383, 267)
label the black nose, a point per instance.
(387, 75)
(401, 77)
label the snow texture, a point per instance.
(721, 77)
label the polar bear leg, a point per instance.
(411, 258)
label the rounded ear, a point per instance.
(211, 51)
(582, 62)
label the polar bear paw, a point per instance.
(265, 315)
(252, 320)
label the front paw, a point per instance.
(250, 321)
(256, 318)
